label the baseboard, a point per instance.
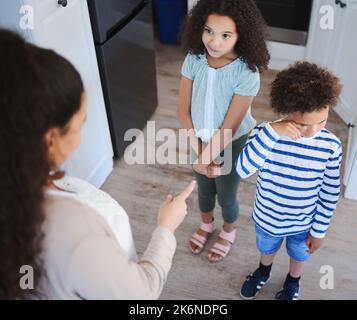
(284, 54)
(344, 111)
(351, 190)
(98, 176)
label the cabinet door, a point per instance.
(320, 39)
(343, 63)
(67, 30)
(350, 177)
(342, 58)
(337, 49)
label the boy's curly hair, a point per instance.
(251, 27)
(304, 87)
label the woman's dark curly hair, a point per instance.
(251, 45)
(304, 87)
(39, 90)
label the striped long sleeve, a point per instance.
(328, 195)
(298, 182)
(259, 145)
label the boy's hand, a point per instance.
(313, 243)
(286, 128)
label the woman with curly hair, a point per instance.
(226, 50)
(72, 251)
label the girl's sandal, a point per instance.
(200, 241)
(220, 249)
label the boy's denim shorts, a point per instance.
(295, 244)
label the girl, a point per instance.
(226, 50)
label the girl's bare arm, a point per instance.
(184, 113)
(235, 115)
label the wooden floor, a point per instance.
(141, 188)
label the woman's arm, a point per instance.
(235, 115)
(98, 268)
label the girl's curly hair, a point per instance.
(251, 27)
(39, 90)
(304, 87)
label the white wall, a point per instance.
(68, 32)
(12, 18)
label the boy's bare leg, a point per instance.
(296, 268)
(267, 260)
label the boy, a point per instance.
(299, 171)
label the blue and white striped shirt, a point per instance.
(298, 184)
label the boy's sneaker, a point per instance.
(253, 284)
(290, 291)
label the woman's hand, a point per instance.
(287, 128)
(313, 243)
(174, 209)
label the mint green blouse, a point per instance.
(212, 93)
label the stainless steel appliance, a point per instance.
(124, 40)
(288, 20)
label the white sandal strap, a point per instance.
(229, 236)
(208, 227)
(219, 252)
(199, 238)
(221, 247)
(197, 243)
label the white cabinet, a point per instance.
(336, 49)
(320, 43)
(350, 178)
(67, 30)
